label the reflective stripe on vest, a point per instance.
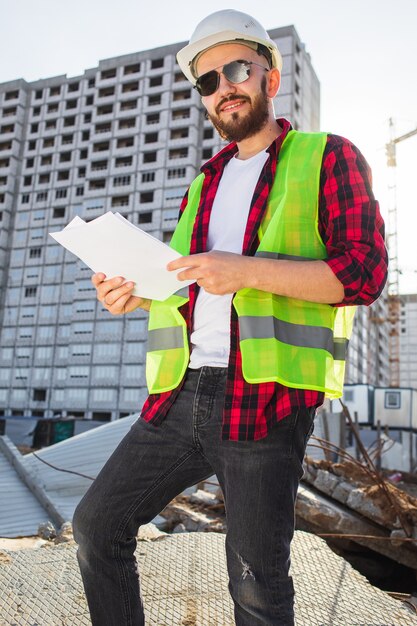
(262, 254)
(253, 327)
(165, 338)
(296, 343)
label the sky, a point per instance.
(363, 51)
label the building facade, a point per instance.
(408, 340)
(368, 359)
(127, 136)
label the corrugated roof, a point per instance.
(20, 510)
(85, 453)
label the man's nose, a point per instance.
(225, 87)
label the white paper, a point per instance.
(112, 245)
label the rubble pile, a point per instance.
(201, 511)
(350, 500)
(353, 485)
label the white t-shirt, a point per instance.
(210, 339)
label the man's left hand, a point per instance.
(217, 272)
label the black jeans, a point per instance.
(152, 465)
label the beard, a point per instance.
(240, 128)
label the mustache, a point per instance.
(230, 99)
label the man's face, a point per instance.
(237, 111)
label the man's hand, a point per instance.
(217, 272)
(116, 295)
(225, 272)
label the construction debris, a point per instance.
(349, 501)
(150, 532)
(205, 498)
(64, 534)
(351, 484)
(201, 511)
(47, 531)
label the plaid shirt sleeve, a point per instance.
(351, 224)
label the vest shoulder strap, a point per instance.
(294, 193)
(181, 239)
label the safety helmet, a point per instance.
(226, 26)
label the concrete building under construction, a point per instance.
(408, 340)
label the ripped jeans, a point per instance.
(152, 465)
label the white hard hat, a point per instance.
(227, 26)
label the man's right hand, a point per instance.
(116, 295)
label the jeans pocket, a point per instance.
(303, 430)
(311, 429)
(141, 424)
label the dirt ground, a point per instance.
(21, 543)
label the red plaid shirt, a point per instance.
(352, 229)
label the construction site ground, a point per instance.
(184, 583)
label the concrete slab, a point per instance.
(184, 583)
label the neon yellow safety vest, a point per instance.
(293, 342)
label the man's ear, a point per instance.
(273, 84)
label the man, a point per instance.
(283, 236)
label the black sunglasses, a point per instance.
(235, 72)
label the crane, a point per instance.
(394, 301)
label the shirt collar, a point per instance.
(219, 160)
